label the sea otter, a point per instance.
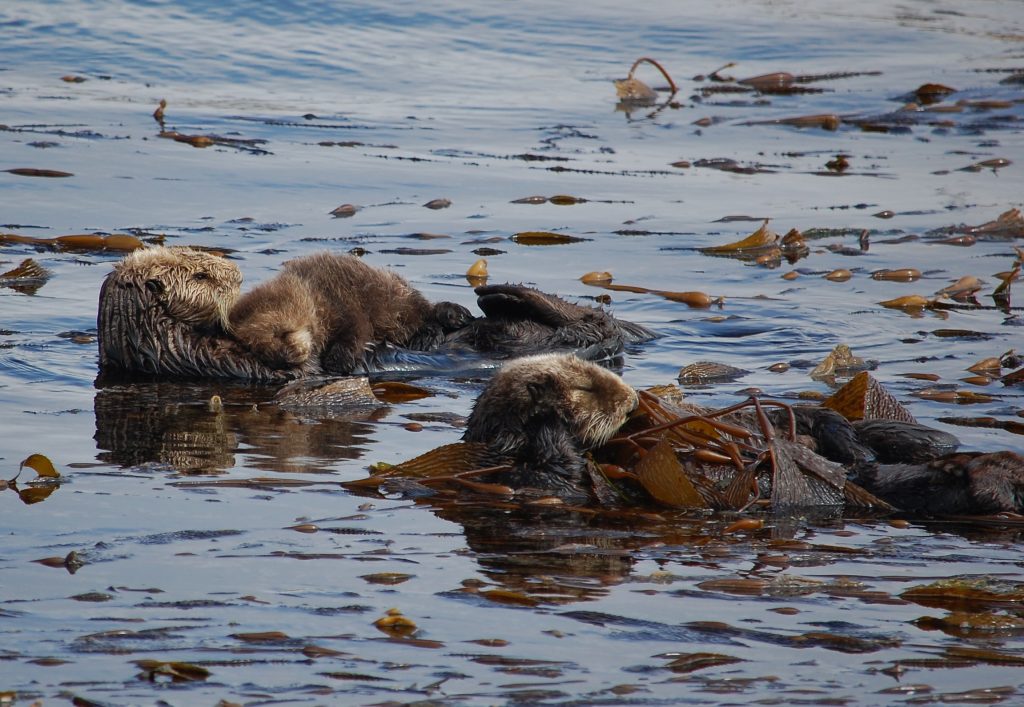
(520, 320)
(338, 309)
(545, 412)
(164, 311)
(177, 312)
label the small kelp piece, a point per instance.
(1009, 224)
(545, 238)
(932, 92)
(662, 475)
(477, 271)
(966, 286)
(908, 303)
(396, 624)
(449, 459)
(33, 172)
(177, 671)
(40, 464)
(344, 211)
(897, 275)
(193, 140)
(88, 242)
(759, 240)
(864, 398)
(691, 299)
(703, 372)
(802, 478)
(841, 360)
(27, 278)
(350, 392)
(632, 91)
(958, 592)
(399, 392)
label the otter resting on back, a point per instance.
(545, 412)
(164, 311)
(177, 312)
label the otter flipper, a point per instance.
(517, 303)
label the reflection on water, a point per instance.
(274, 586)
(175, 425)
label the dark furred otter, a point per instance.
(337, 308)
(544, 412)
(520, 320)
(164, 311)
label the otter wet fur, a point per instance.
(337, 308)
(544, 412)
(164, 311)
(520, 320)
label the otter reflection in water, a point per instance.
(541, 415)
(172, 424)
(177, 312)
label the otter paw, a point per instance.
(295, 347)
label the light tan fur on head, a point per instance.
(598, 401)
(194, 287)
(536, 393)
(278, 321)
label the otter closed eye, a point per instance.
(542, 412)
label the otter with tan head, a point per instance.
(177, 312)
(338, 309)
(542, 414)
(164, 311)
(545, 412)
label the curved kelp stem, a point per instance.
(659, 67)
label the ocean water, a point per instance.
(315, 105)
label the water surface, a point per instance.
(388, 108)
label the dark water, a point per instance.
(387, 108)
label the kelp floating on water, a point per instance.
(676, 455)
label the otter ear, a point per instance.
(541, 388)
(155, 286)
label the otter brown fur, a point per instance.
(544, 412)
(520, 320)
(973, 483)
(177, 312)
(164, 311)
(338, 308)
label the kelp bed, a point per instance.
(198, 545)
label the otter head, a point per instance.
(594, 401)
(536, 399)
(192, 286)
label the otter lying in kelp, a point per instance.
(178, 312)
(543, 417)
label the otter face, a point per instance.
(598, 399)
(593, 401)
(193, 287)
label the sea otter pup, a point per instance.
(164, 311)
(544, 412)
(338, 308)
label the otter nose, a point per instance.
(634, 402)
